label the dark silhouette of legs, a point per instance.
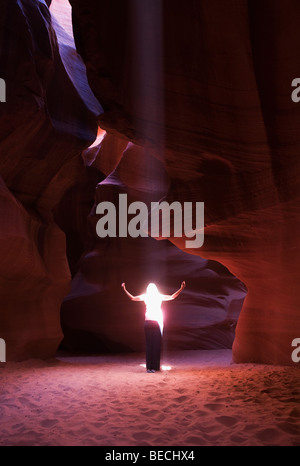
(153, 345)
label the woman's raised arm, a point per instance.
(133, 298)
(167, 297)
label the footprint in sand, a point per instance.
(48, 423)
(267, 435)
(214, 406)
(180, 399)
(180, 390)
(290, 427)
(227, 421)
(151, 412)
(140, 436)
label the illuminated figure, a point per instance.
(153, 322)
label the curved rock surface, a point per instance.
(98, 316)
(211, 90)
(49, 117)
(205, 88)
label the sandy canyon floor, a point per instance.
(199, 398)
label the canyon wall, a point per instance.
(196, 102)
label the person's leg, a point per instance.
(149, 344)
(156, 347)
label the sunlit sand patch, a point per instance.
(163, 367)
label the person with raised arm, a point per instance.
(153, 321)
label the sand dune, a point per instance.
(202, 399)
